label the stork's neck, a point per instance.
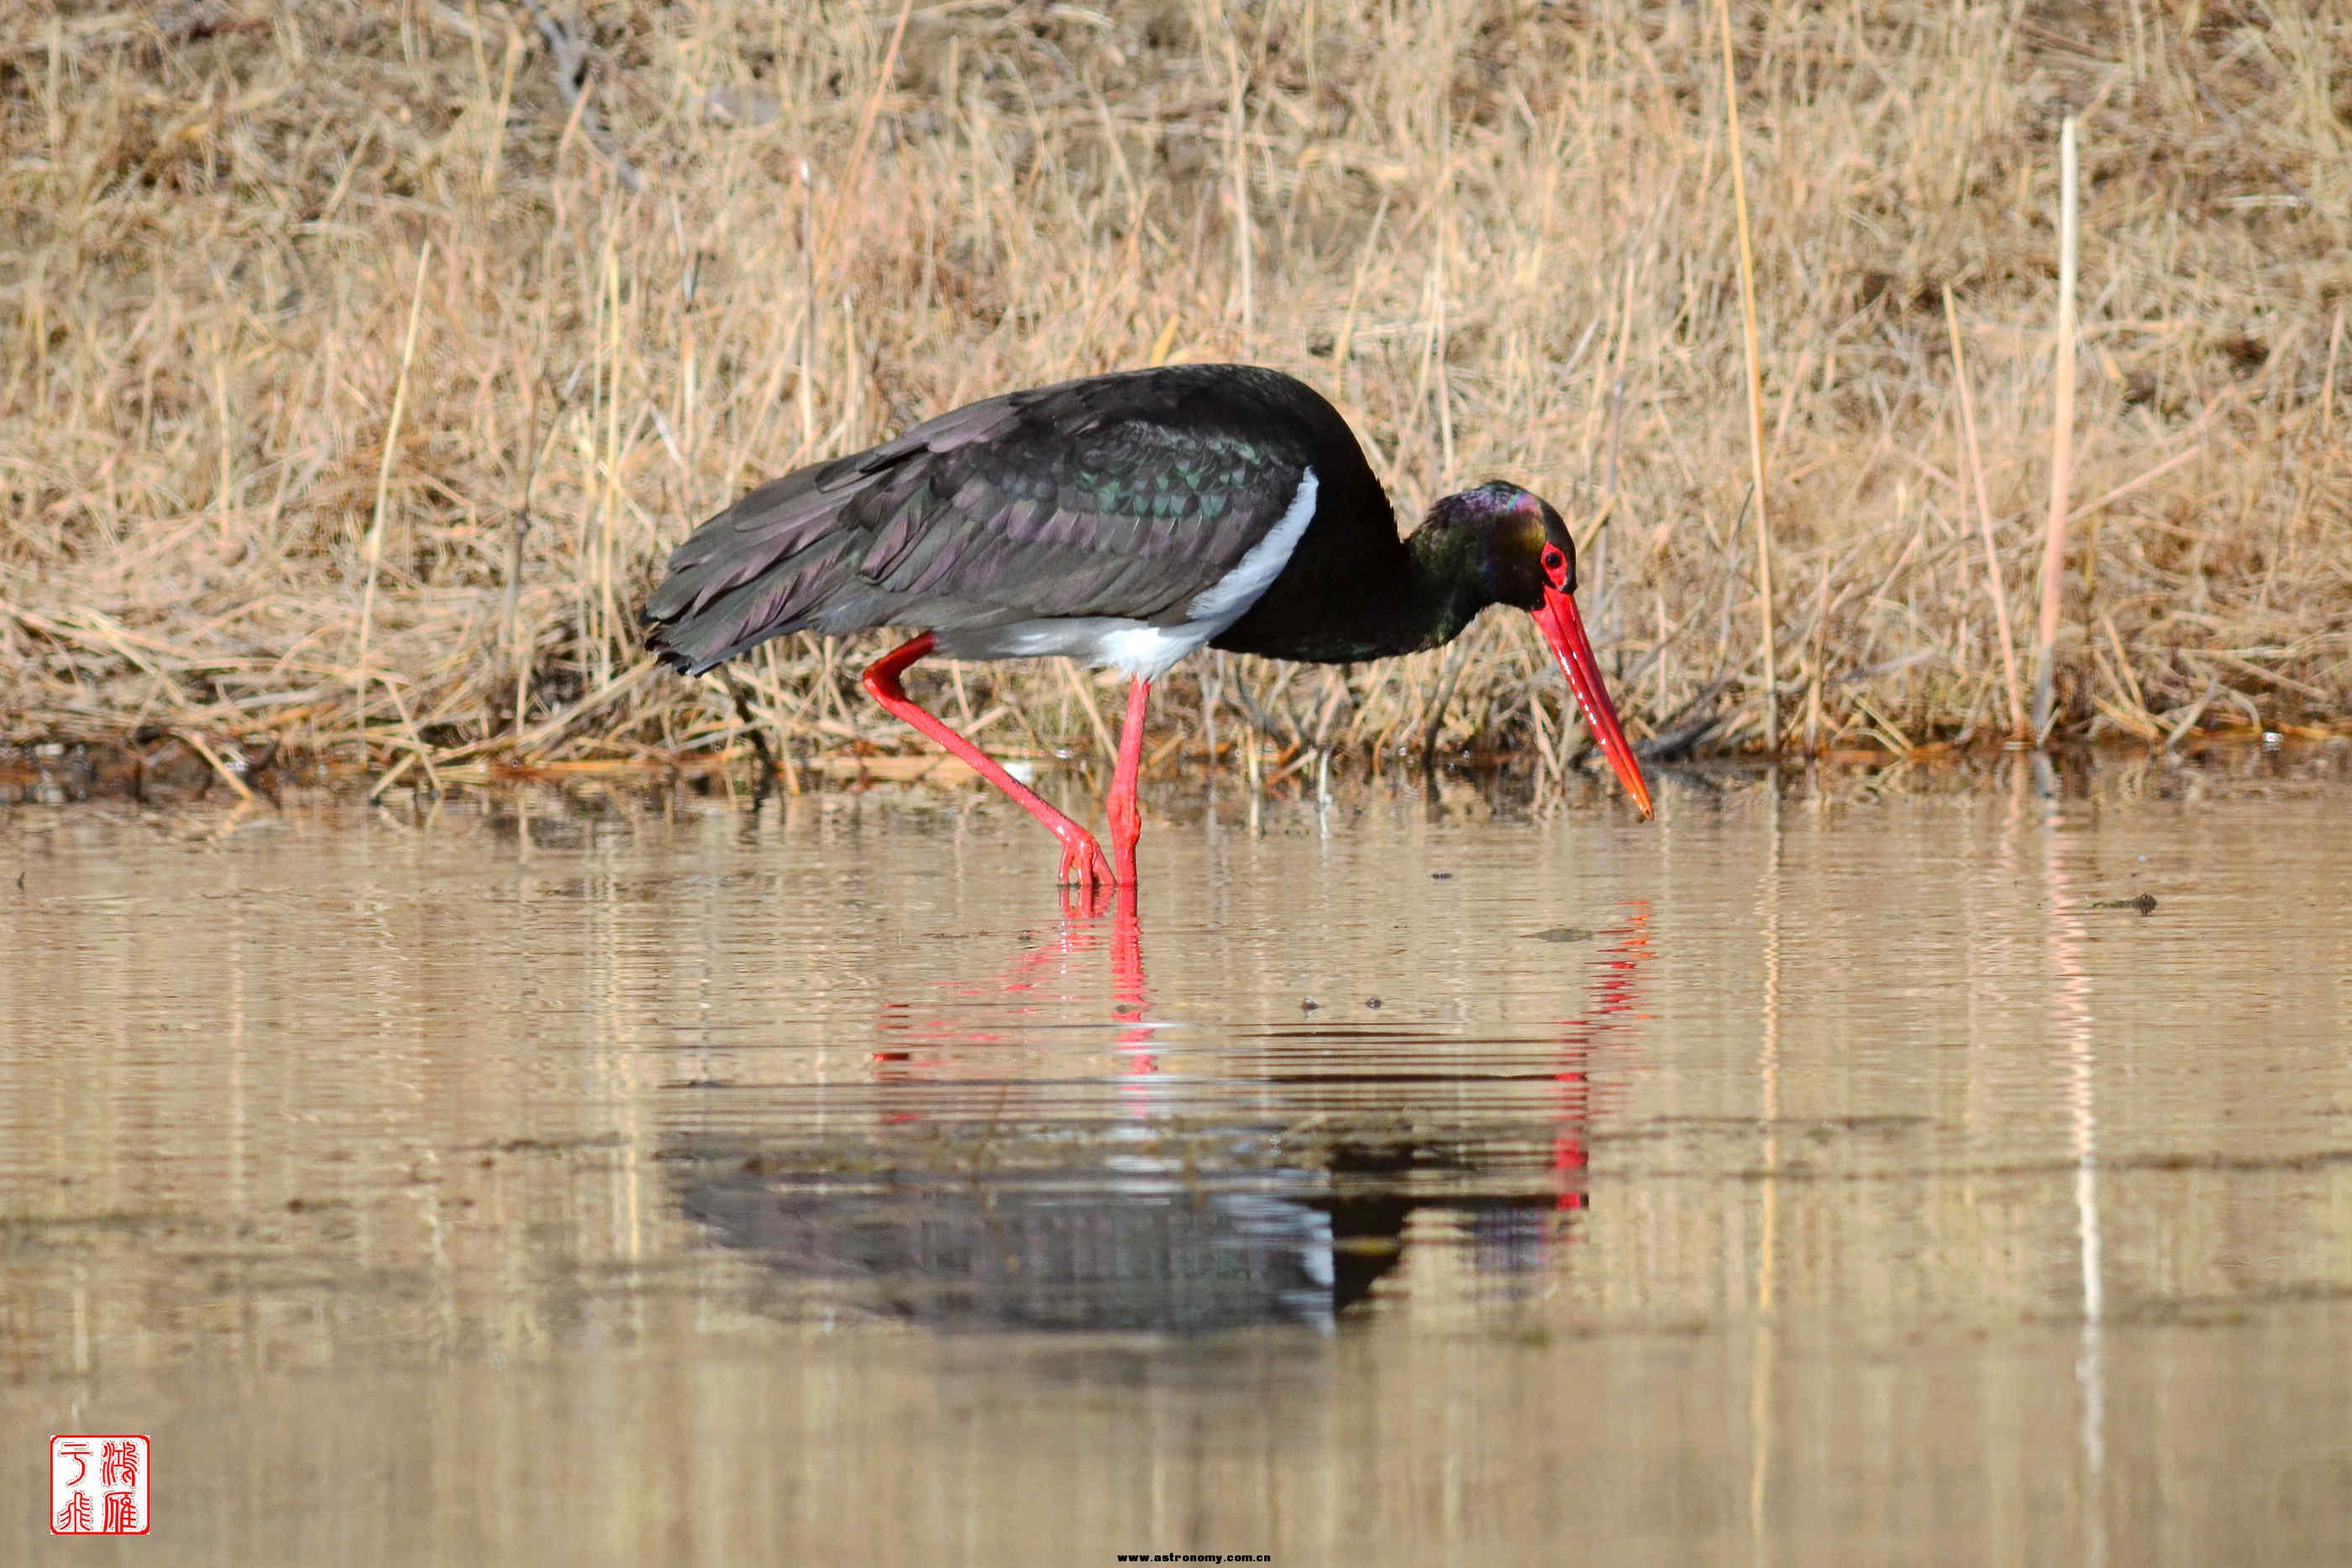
(1443, 587)
(1424, 601)
(1413, 595)
(1355, 591)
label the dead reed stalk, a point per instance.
(1995, 589)
(372, 548)
(2061, 441)
(1739, 159)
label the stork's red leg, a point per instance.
(1125, 811)
(1082, 858)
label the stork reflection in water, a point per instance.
(1157, 1176)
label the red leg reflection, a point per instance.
(1126, 988)
(1027, 984)
(1082, 857)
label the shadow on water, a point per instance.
(1174, 1216)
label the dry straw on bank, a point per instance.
(659, 254)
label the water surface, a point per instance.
(1815, 1174)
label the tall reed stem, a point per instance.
(373, 547)
(2061, 441)
(1995, 588)
(1754, 391)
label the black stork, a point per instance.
(1124, 520)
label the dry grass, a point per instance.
(243, 503)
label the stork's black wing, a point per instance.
(1122, 496)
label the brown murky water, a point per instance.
(1806, 1177)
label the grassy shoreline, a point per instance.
(352, 395)
(166, 772)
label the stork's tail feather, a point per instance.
(695, 640)
(757, 570)
(693, 628)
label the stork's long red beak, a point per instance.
(1564, 630)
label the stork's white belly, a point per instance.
(1138, 647)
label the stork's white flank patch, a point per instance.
(1138, 647)
(1235, 592)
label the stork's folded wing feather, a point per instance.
(1122, 496)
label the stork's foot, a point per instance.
(1083, 864)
